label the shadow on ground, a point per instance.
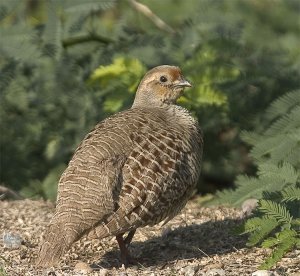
(185, 242)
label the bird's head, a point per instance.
(161, 85)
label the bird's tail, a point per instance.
(115, 224)
(57, 241)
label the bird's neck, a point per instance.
(176, 114)
(181, 115)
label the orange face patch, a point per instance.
(174, 73)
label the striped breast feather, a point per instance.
(152, 178)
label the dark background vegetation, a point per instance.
(65, 65)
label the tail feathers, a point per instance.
(57, 241)
(101, 231)
(114, 225)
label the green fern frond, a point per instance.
(78, 6)
(252, 225)
(248, 187)
(275, 210)
(287, 239)
(269, 242)
(6, 8)
(286, 123)
(274, 196)
(53, 31)
(286, 234)
(223, 197)
(16, 42)
(7, 75)
(264, 147)
(251, 137)
(286, 172)
(76, 24)
(284, 150)
(252, 187)
(296, 222)
(266, 227)
(267, 145)
(283, 104)
(291, 193)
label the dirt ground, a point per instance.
(199, 241)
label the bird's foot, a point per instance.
(128, 260)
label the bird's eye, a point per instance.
(163, 79)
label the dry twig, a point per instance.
(152, 16)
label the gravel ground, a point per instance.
(196, 242)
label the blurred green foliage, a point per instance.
(275, 152)
(67, 64)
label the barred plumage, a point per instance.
(136, 168)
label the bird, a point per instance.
(136, 168)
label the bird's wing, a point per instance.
(87, 189)
(156, 174)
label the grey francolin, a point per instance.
(136, 168)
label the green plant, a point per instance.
(276, 224)
(2, 271)
(276, 150)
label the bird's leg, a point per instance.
(129, 237)
(126, 259)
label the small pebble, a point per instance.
(103, 272)
(215, 272)
(190, 270)
(83, 268)
(263, 273)
(248, 207)
(12, 240)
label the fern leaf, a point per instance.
(224, 196)
(296, 222)
(284, 149)
(287, 240)
(252, 225)
(275, 196)
(291, 194)
(283, 104)
(7, 7)
(248, 187)
(53, 32)
(266, 227)
(275, 210)
(266, 145)
(286, 123)
(270, 242)
(250, 137)
(16, 42)
(285, 172)
(88, 5)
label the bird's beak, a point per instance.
(184, 83)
